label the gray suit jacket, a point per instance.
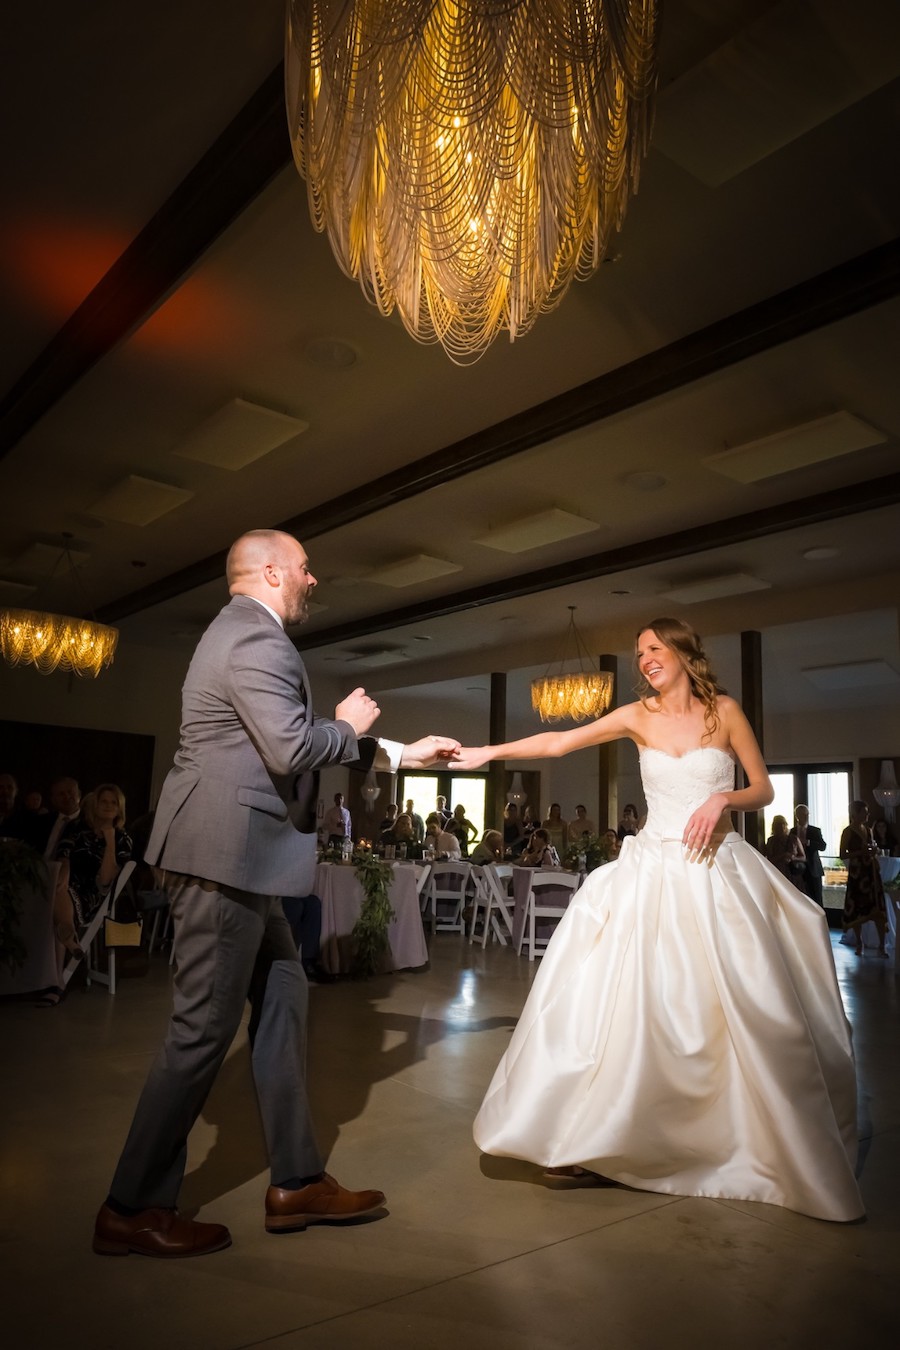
(238, 807)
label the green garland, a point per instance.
(370, 932)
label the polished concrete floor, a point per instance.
(472, 1252)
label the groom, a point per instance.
(234, 830)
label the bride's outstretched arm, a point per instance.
(552, 744)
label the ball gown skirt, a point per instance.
(685, 1032)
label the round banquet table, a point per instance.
(342, 896)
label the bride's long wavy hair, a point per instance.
(681, 639)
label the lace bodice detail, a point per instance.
(675, 786)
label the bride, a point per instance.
(685, 1033)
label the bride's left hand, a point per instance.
(701, 825)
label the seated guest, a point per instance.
(883, 836)
(540, 852)
(445, 845)
(401, 833)
(580, 826)
(489, 850)
(629, 822)
(65, 803)
(92, 854)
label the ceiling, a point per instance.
(159, 264)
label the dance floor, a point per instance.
(472, 1252)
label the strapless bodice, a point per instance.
(675, 786)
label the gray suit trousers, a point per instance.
(229, 945)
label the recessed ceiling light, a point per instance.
(547, 527)
(715, 588)
(819, 552)
(620, 592)
(331, 353)
(645, 481)
(422, 637)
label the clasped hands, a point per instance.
(361, 712)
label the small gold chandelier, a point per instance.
(56, 641)
(468, 158)
(572, 695)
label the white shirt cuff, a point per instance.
(387, 756)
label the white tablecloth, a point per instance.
(521, 881)
(36, 931)
(342, 897)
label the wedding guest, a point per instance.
(464, 830)
(513, 829)
(884, 836)
(611, 840)
(441, 811)
(785, 851)
(336, 823)
(555, 826)
(65, 799)
(580, 826)
(489, 850)
(864, 900)
(445, 844)
(391, 811)
(812, 844)
(418, 823)
(630, 821)
(540, 852)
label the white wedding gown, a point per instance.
(685, 1032)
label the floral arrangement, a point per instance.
(21, 869)
(370, 932)
(595, 850)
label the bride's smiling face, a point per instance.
(657, 663)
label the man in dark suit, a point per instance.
(810, 837)
(234, 829)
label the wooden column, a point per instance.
(495, 797)
(752, 702)
(608, 760)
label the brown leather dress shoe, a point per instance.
(322, 1201)
(156, 1232)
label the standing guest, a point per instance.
(630, 821)
(464, 830)
(336, 823)
(65, 799)
(811, 844)
(555, 827)
(685, 1033)
(441, 811)
(580, 826)
(418, 823)
(864, 900)
(392, 810)
(783, 851)
(513, 832)
(234, 829)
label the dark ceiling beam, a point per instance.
(845, 501)
(235, 169)
(850, 287)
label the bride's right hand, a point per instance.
(472, 757)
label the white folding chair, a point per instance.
(497, 923)
(538, 904)
(446, 888)
(422, 876)
(480, 899)
(91, 938)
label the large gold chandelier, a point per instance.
(572, 695)
(469, 157)
(56, 641)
